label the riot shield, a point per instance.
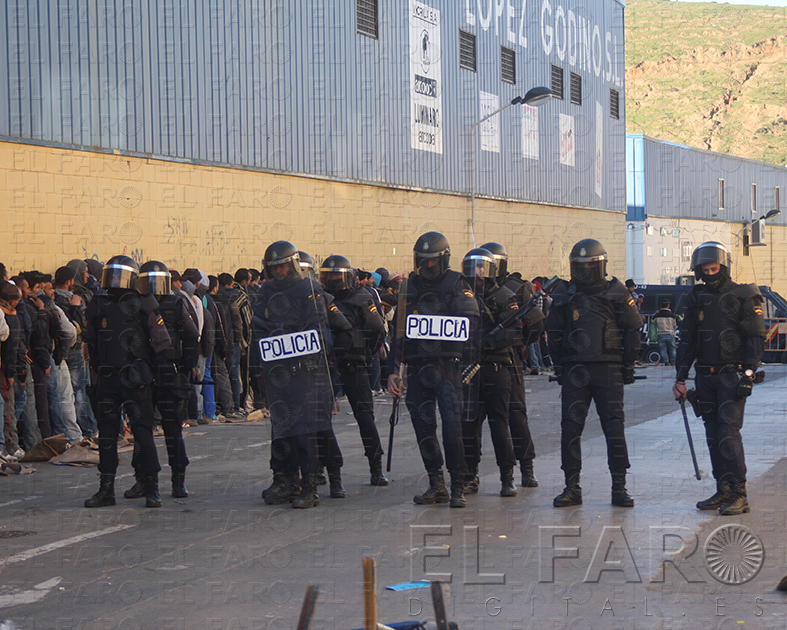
(292, 346)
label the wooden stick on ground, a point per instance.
(307, 610)
(369, 595)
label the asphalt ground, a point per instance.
(222, 559)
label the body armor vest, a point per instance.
(721, 332)
(450, 297)
(121, 334)
(593, 331)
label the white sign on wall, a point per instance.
(529, 132)
(426, 100)
(490, 129)
(566, 140)
(599, 147)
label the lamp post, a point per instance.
(772, 214)
(535, 97)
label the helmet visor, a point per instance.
(155, 283)
(479, 267)
(119, 276)
(710, 253)
(283, 268)
(337, 279)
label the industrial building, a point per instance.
(679, 197)
(197, 133)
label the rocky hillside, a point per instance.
(712, 76)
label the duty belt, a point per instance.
(709, 370)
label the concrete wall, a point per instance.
(63, 204)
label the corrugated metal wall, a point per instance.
(290, 86)
(683, 182)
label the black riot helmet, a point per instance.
(154, 279)
(337, 274)
(307, 265)
(282, 264)
(479, 265)
(431, 255)
(712, 252)
(588, 260)
(120, 272)
(501, 258)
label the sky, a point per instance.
(759, 3)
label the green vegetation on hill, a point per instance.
(712, 76)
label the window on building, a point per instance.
(557, 82)
(508, 65)
(776, 201)
(754, 198)
(614, 105)
(366, 22)
(721, 193)
(576, 88)
(467, 58)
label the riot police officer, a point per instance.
(494, 376)
(292, 338)
(124, 331)
(172, 369)
(338, 277)
(594, 340)
(724, 332)
(532, 327)
(441, 315)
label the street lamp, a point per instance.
(535, 97)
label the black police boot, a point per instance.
(723, 487)
(335, 481)
(320, 476)
(137, 491)
(152, 498)
(472, 482)
(285, 488)
(528, 476)
(737, 503)
(179, 490)
(572, 493)
(308, 498)
(508, 487)
(106, 492)
(436, 492)
(458, 491)
(620, 495)
(378, 478)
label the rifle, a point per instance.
(401, 309)
(471, 370)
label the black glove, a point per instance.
(559, 374)
(744, 387)
(628, 375)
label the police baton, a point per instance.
(682, 402)
(637, 377)
(393, 421)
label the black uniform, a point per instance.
(723, 331)
(299, 388)
(496, 386)
(593, 338)
(123, 332)
(172, 369)
(434, 369)
(368, 333)
(532, 327)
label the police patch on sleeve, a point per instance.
(468, 293)
(289, 346)
(437, 327)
